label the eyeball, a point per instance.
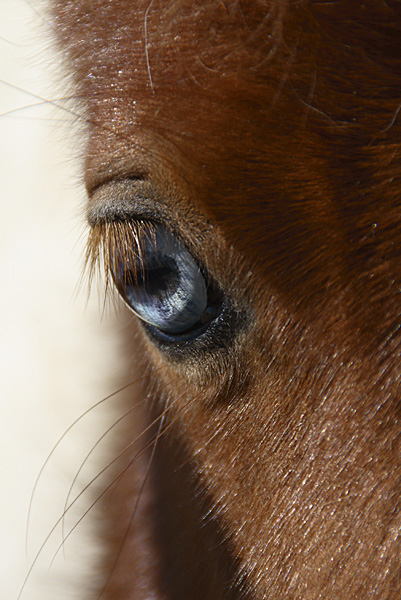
(162, 283)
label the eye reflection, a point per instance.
(161, 282)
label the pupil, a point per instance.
(155, 280)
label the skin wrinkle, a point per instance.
(264, 135)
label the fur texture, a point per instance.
(266, 136)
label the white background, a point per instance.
(57, 356)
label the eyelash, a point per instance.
(157, 277)
(103, 240)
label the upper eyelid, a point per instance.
(130, 200)
(122, 200)
(135, 200)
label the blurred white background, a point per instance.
(56, 353)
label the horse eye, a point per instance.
(161, 282)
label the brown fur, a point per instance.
(266, 135)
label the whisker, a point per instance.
(138, 498)
(15, 111)
(44, 101)
(146, 43)
(66, 432)
(161, 431)
(59, 520)
(113, 482)
(108, 430)
(41, 15)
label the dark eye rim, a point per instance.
(216, 336)
(196, 331)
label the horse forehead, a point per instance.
(328, 61)
(209, 28)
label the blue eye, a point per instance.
(161, 282)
